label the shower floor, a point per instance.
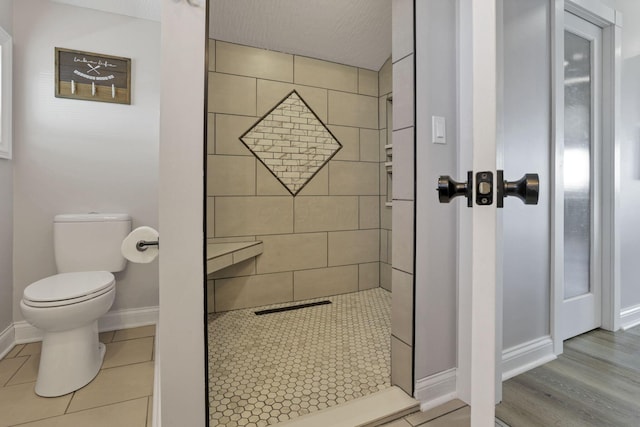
(275, 367)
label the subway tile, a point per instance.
(232, 94)
(253, 62)
(228, 130)
(349, 109)
(292, 252)
(253, 291)
(368, 276)
(20, 405)
(132, 413)
(402, 242)
(367, 82)
(211, 297)
(353, 178)
(369, 212)
(244, 268)
(231, 176)
(369, 145)
(325, 213)
(318, 185)
(9, 366)
(385, 276)
(403, 164)
(212, 54)
(402, 306)
(349, 138)
(267, 184)
(402, 22)
(325, 281)
(120, 353)
(401, 365)
(210, 213)
(385, 78)
(271, 93)
(403, 94)
(353, 247)
(329, 75)
(246, 216)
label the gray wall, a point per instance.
(630, 154)
(6, 207)
(527, 130)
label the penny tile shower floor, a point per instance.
(275, 367)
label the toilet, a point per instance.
(66, 307)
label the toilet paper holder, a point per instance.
(142, 245)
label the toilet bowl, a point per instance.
(66, 307)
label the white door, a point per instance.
(581, 307)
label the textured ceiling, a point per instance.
(352, 32)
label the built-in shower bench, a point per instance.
(221, 255)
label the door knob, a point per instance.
(526, 188)
(448, 189)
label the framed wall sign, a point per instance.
(92, 76)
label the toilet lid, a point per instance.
(66, 286)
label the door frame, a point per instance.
(610, 21)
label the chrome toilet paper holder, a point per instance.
(142, 245)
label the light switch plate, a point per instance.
(438, 130)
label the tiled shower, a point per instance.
(299, 158)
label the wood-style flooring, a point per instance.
(596, 382)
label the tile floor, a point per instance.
(120, 395)
(275, 367)
(452, 414)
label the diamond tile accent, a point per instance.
(267, 369)
(292, 142)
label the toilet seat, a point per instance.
(68, 288)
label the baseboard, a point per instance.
(630, 317)
(521, 358)
(113, 320)
(7, 340)
(436, 389)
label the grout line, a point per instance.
(73, 394)
(26, 358)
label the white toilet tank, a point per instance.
(90, 242)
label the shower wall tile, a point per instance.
(349, 137)
(385, 79)
(367, 82)
(267, 184)
(210, 217)
(246, 216)
(231, 176)
(402, 39)
(402, 251)
(402, 306)
(385, 276)
(353, 178)
(382, 111)
(232, 94)
(252, 62)
(325, 281)
(368, 276)
(369, 212)
(252, 291)
(403, 165)
(369, 145)
(243, 268)
(329, 75)
(386, 217)
(288, 252)
(390, 246)
(403, 93)
(270, 94)
(401, 364)
(353, 247)
(384, 253)
(211, 132)
(353, 110)
(228, 129)
(211, 297)
(212, 54)
(383, 179)
(325, 213)
(318, 185)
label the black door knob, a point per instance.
(448, 189)
(526, 188)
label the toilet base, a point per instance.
(69, 360)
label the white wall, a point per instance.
(630, 153)
(6, 207)
(81, 156)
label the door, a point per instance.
(581, 306)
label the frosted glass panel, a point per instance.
(577, 165)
